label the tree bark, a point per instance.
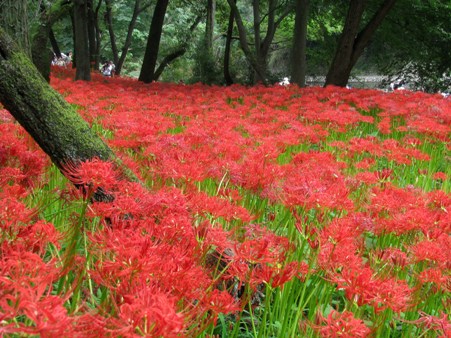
(54, 44)
(109, 24)
(52, 122)
(352, 43)
(138, 9)
(94, 35)
(147, 74)
(298, 57)
(39, 46)
(83, 67)
(210, 24)
(227, 77)
(243, 41)
(44, 114)
(14, 18)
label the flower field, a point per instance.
(264, 212)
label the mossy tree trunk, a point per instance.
(14, 19)
(52, 122)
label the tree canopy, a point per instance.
(190, 42)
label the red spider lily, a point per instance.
(91, 175)
(384, 125)
(384, 174)
(288, 272)
(441, 324)
(160, 253)
(440, 176)
(20, 160)
(218, 302)
(340, 324)
(437, 277)
(314, 180)
(362, 287)
(201, 203)
(393, 257)
(438, 251)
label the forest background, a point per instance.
(224, 42)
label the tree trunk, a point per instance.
(45, 115)
(109, 24)
(94, 33)
(147, 74)
(259, 77)
(83, 70)
(178, 52)
(227, 77)
(41, 55)
(14, 18)
(258, 59)
(54, 44)
(128, 40)
(352, 43)
(210, 24)
(243, 41)
(298, 59)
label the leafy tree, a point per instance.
(138, 8)
(258, 58)
(147, 74)
(179, 50)
(354, 40)
(413, 45)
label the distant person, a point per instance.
(63, 61)
(108, 68)
(398, 85)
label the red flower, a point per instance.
(91, 175)
(341, 324)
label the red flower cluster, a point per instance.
(167, 259)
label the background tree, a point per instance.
(228, 43)
(14, 18)
(205, 66)
(413, 45)
(40, 52)
(147, 74)
(178, 51)
(354, 40)
(94, 34)
(259, 57)
(138, 8)
(298, 57)
(81, 50)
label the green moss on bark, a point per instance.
(52, 122)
